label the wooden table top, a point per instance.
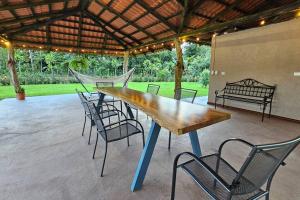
(177, 116)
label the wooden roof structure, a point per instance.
(137, 26)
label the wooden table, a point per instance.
(177, 116)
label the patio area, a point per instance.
(44, 156)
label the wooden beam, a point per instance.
(156, 14)
(235, 22)
(36, 17)
(129, 22)
(48, 35)
(11, 65)
(116, 38)
(226, 11)
(28, 43)
(183, 16)
(225, 3)
(179, 64)
(26, 5)
(79, 30)
(125, 62)
(27, 28)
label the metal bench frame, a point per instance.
(250, 91)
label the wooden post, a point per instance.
(11, 65)
(125, 62)
(179, 65)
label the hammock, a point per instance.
(85, 79)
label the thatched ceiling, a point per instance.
(115, 26)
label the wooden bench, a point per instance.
(250, 91)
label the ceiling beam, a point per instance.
(79, 31)
(26, 5)
(225, 3)
(116, 38)
(226, 11)
(156, 14)
(36, 17)
(209, 28)
(183, 15)
(129, 22)
(27, 28)
(102, 22)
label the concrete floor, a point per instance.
(43, 155)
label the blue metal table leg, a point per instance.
(195, 143)
(145, 157)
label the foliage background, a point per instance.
(41, 67)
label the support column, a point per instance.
(11, 65)
(125, 62)
(179, 65)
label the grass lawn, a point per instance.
(166, 89)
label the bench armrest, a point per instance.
(219, 91)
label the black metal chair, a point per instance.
(121, 129)
(152, 89)
(106, 112)
(183, 94)
(109, 99)
(221, 181)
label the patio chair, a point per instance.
(152, 89)
(106, 112)
(109, 99)
(123, 128)
(221, 181)
(183, 94)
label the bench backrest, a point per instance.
(249, 87)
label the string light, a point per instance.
(262, 22)
(70, 50)
(183, 40)
(7, 43)
(24, 45)
(215, 34)
(154, 46)
(147, 48)
(82, 50)
(96, 51)
(56, 49)
(198, 39)
(141, 49)
(135, 50)
(40, 47)
(162, 44)
(298, 14)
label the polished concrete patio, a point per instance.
(43, 155)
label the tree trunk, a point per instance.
(125, 62)
(179, 65)
(11, 65)
(31, 59)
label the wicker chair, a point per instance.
(121, 129)
(221, 181)
(183, 94)
(106, 112)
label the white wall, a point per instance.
(269, 54)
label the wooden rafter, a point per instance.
(48, 36)
(226, 11)
(79, 31)
(36, 17)
(225, 3)
(24, 29)
(118, 15)
(63, 46)
(26, 5)
(96, 21)
(102, 22)
(156, 14)
(235, 22)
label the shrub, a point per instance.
(205, 77)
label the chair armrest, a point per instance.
(124, 120)
(219, 91)
(234, 140)
(199, 161)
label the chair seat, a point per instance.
(120, 132)
(204, 178)
(249, 99)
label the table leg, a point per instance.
(195, 143)
(145, 157)
(129, 111)
(100, 101)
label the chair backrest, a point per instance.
(96, 117)
(187, 95)
(83, 101)
(104, 84)
(261, 165)
(153, 89)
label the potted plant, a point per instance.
(20, 93)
